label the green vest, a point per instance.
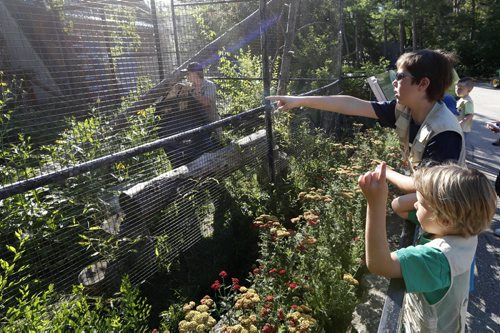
(439, 120)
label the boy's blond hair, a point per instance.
(460, 197)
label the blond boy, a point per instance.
(454, 204)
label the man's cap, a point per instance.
(193, 67)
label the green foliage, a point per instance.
(237, 96)
(66, 221)
(6, 109)
(8, 285)
(328, 236)
(211, 24)
(171, 318)
(125, 36)
(355, 84)
(58, 7)
(49, 311)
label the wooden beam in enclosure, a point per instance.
(147, 198)
(136, 201)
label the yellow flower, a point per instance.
(211, 321)
(120, 166)
(347, 195)
(183, 325)
(202, 308)
(350, 279)
(190, 315)
(206, 300)
(200, 318)
(188, 306)
(282, 233)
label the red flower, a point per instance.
(215, 285)
(312, 221)
(273, 270)
(256, 271)
(268, 328)
(264, 312)
(269, 298)
(223, 274)
(282, 271)
(236, 286)
(292, 285)
(281, 314)
(235, 281)
(294, 306)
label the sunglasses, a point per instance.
(402, 75)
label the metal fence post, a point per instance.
(157, 39)
(176, 39)
(267, 88)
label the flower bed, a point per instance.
(305, 279)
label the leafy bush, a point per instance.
(50, 311)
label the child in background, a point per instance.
(465, 106)
(454, 204)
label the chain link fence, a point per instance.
(113, 158)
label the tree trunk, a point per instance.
(401, 30)
(338, 70)
(356, 42)
(385, 38)
(473, 26)
(414, 26)
(287, 48)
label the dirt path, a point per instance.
(484, 304)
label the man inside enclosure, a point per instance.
(203, 90)
(427, 131)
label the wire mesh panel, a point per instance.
(113, 160)
(121, 122)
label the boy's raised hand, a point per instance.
(285, 103)
(374, 185)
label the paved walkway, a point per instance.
(484, 304)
